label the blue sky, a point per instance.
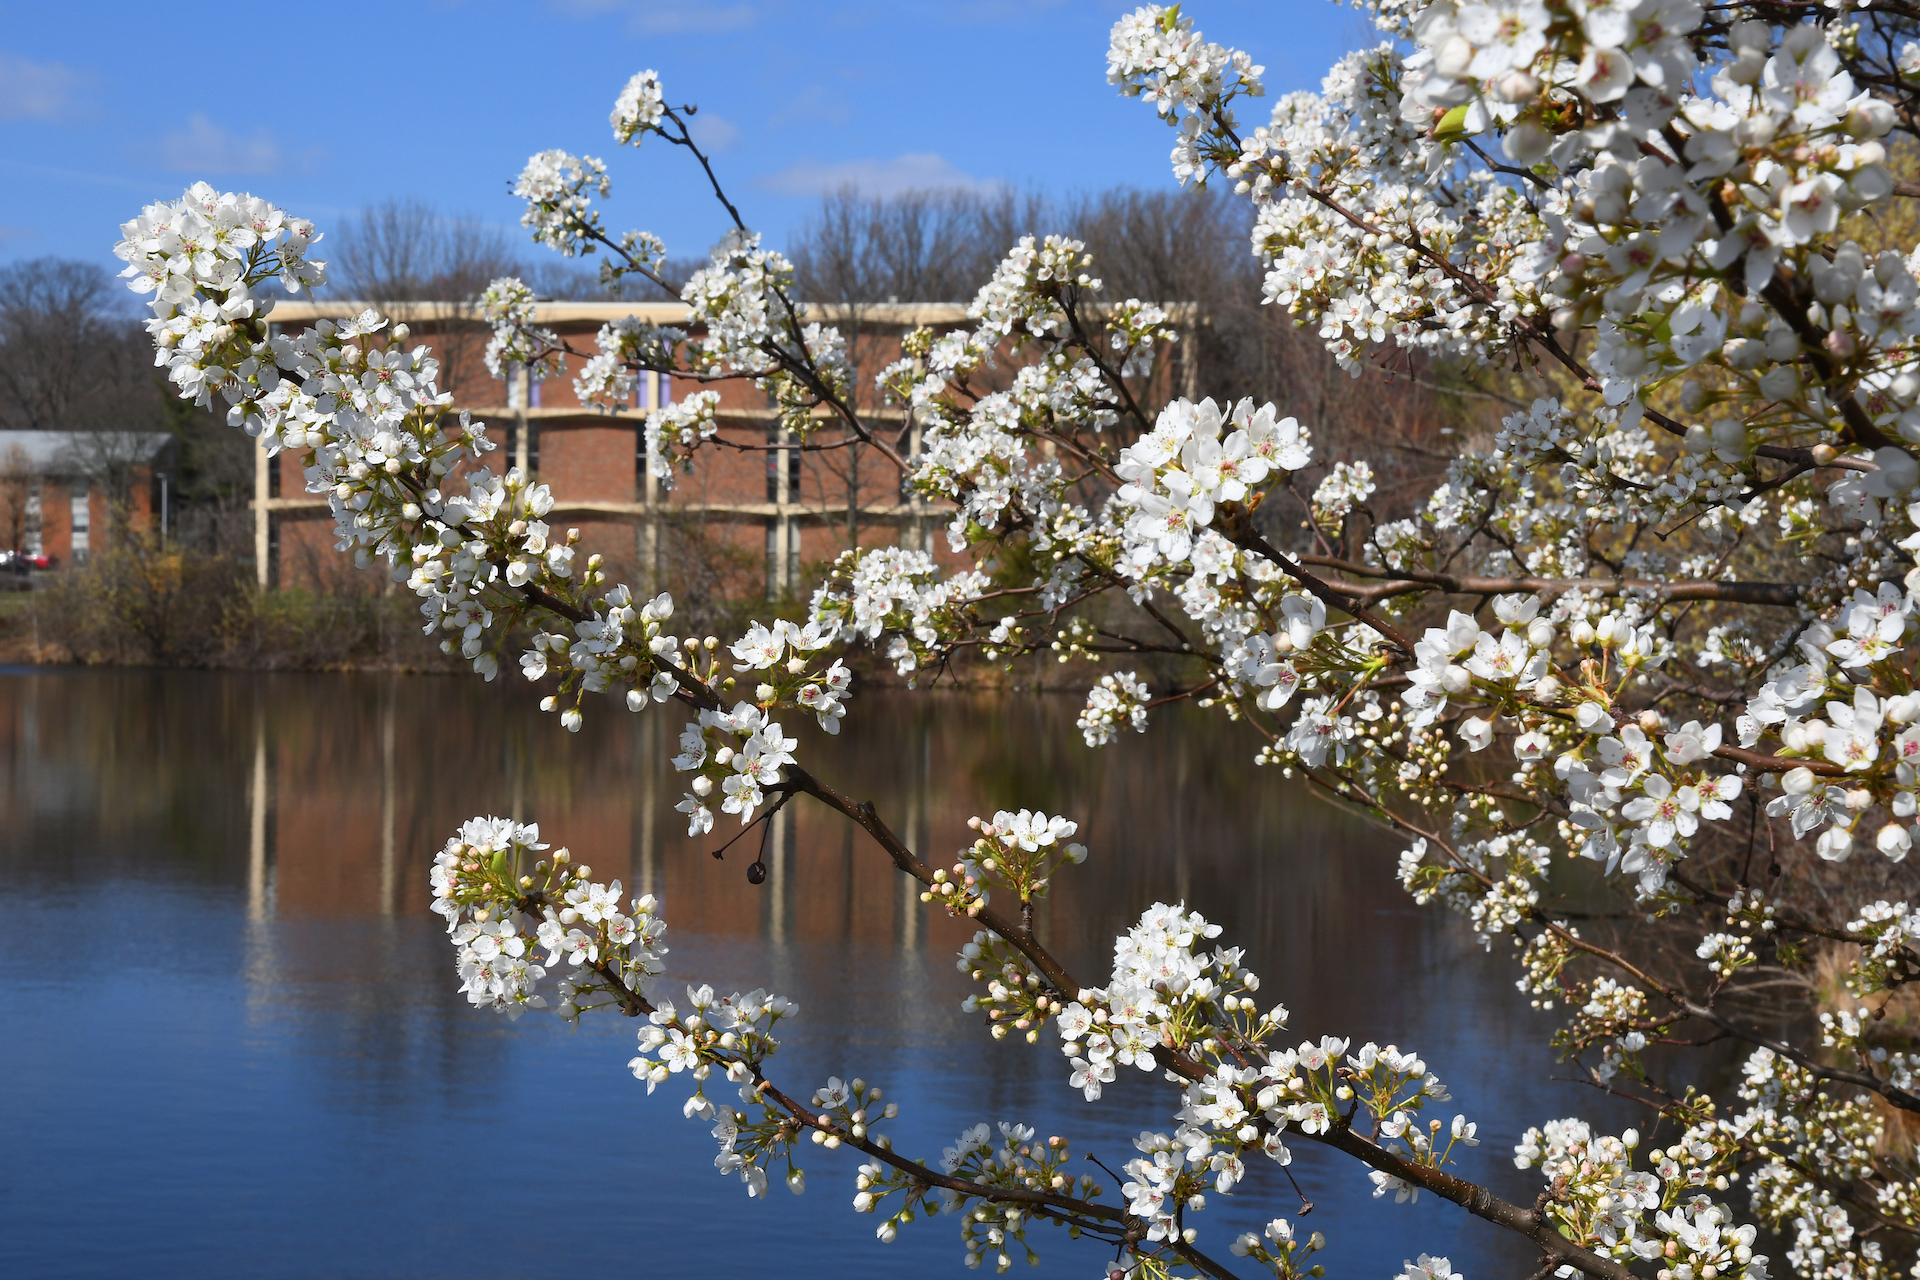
(327, 108)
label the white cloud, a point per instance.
(915, 171)
(713, 133)
(34, 90)
(812, 105)
(205, 147)
(667, 17)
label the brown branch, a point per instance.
(1236, 523)
(1784, 594)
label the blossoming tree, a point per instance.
(1662, 626)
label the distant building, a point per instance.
(62, 493)
(797, 508)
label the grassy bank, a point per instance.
(141, 605)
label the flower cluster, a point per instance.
(1155, 54)
(742, 751)
(899, 593)
(625, 345)
(509, 306)
(639, 109)
(1286, 1254)
(1119, 700)
(559, 188)
(781, 652)
(1018, 852)
(1196, 457)
(1602, 1202)
(503, 903)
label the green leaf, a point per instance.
(1452, 125)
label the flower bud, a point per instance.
(1581, 633)
(1518, 86)
(1451, 59)
(1780, 383)
(1797, 782)
(1869, 118)
(1730, 441)
(1893, 841)
(1593, 718)
(1527, 144)
(1835, 844)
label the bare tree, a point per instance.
(70, 358)
(408, 251)
(919, 246)
(1186, 247)
(16, 492)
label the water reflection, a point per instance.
(232, 1042)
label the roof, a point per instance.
(67, 452)
(307, 310)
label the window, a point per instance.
(82, 524)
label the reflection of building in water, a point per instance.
(364, 780)
(166, 776)
(345, 816)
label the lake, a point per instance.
(232, 1042)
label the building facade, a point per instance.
(63, 494)
(784, 510)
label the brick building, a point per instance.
(788, 509)
(63, 493)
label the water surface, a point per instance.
(231, 1043)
